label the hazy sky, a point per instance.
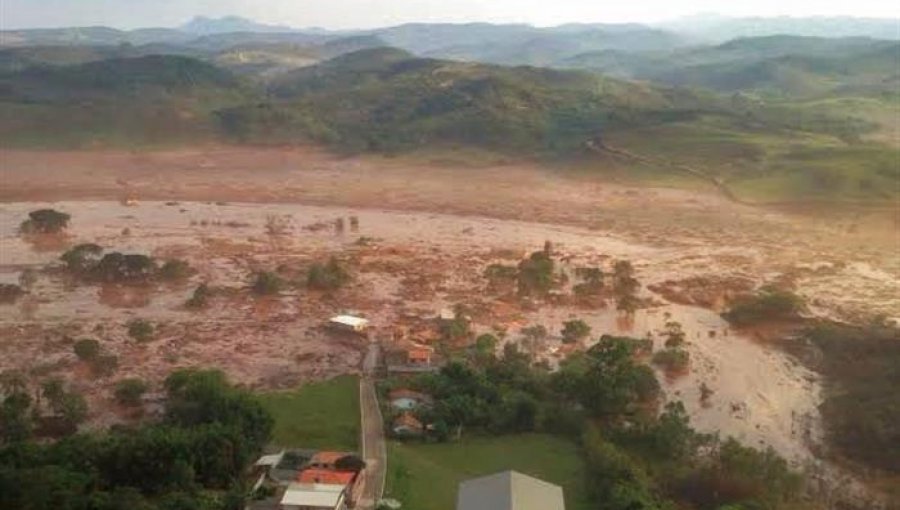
(375, 13)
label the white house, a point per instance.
(509, 491)
(314, 496)
(349, 323)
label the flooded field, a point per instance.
(406, 267)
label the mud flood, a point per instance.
(406, 267)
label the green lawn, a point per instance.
(318, 415)
(426, 476)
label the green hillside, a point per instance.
(761, 147)
(136, 101)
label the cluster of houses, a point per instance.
(306, 480)
(404, 404)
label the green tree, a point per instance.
(130, 391)
(575, 331)
(267, 283)
(82, 258)
(87, 349)
(140, 330)
(15, 417)
(328, 276)
(45, 221)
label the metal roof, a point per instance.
(349, 320)
(509, 491)
(313, 494)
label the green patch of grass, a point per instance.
(426, 476)
(318, 415)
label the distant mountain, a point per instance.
(202, 25)
(721, 28)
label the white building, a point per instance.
(509, 491)
(314, 496)
(349, 323)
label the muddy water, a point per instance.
(760, 395)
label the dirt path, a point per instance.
(373, 444)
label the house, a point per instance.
(419, 355)
(314, 496)
(407, 425)
(348, 323)
(326, 460)
(327, 477)
(404, 399)
(264, 466)
(509, 491)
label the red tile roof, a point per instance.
(326, 477)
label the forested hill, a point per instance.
(388, 100)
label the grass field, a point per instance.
(318, 415)
(426, 476)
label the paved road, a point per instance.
(374, 449)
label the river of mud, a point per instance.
(406, 264)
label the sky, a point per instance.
(346, 14)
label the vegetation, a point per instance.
(193, 459)
(426, 476)
(575, 331)
(536, 274)
(862, 406)
(200, 297)
(267, 283)
(674, 360)
(9, 293)
(45, 221)
(89, 262)
(317, 415)
(86, 349)
(130, 391)
(328, 276)
(769, 304)
(141, 330)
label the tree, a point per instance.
(15, 418)
(175, 269)
(536, 274)
(140, 329)
(73, 409)
(82, 258)
(200, 297)
(45, 221)
(129, 392)
(674, 334)
(575, 331)
(105, 365)
(267, 283)
(329, 276)
(769, 304)
(87, 349)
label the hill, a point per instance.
(143, 100)
(722, 28)
(389, 101)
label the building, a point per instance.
(326, 460)
(327, 477)
(314, 496)
(407, 425)
(419, 356)
(349, 323)
(405, 400)
(509, 491)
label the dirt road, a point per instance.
(373, 445)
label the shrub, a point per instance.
(200, 297)
(9, 293)
(329, 276)
(140, 329)
(768, 304)
(119, 267)
(87, 349)
(672, 359)
(536, 274)
(45, 221)
(175, 269)
(82, 258)
(105, 365)
(129, 392)
(575, 330)
(267, 283)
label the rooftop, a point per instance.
(326, 477)
(327, 457)
(349, 320)
(509, 491)
(313, 494)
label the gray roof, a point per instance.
(509, 491)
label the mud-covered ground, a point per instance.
(428, 230)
